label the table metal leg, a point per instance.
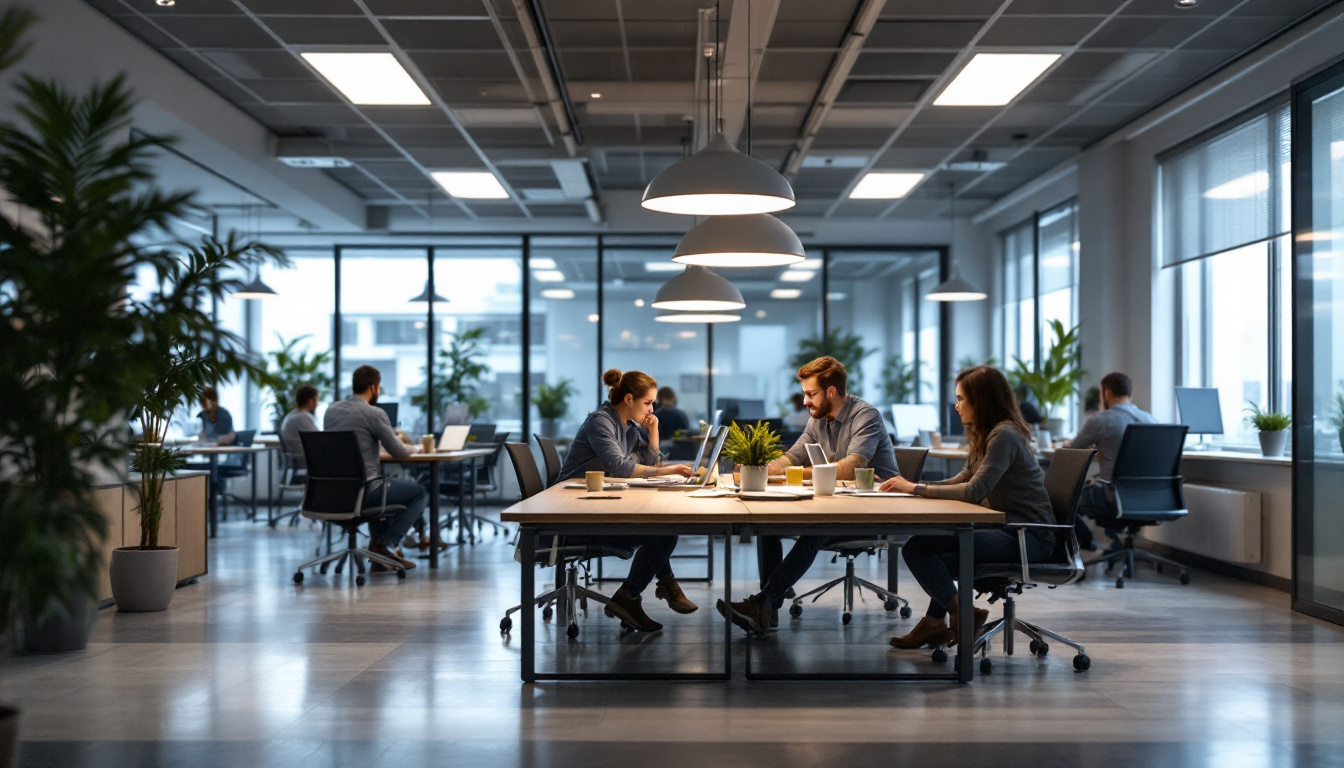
(965, 604)
(253, 467)
(727, 598)
(528, 542)
(434, 515)
(893, 567)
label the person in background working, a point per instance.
(299, 420)
(799, 417)
(1001, 472)
(1104, 432)
(372, 429)
(853, 435)
(216, 421)
(671, 419)
(621, 439)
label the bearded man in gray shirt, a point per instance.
(1105, 431)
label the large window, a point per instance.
(564, 343)
(1225, 219)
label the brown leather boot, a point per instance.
(670, 591)
(981, 616)
(927, 632)
(627, 607)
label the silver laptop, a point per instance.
(716, 437)
(816, 454)
(454, 437)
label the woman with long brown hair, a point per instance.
(1002, 473)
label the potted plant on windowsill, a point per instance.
(552, 401)
(752, 449)
(1273, 429)
(1056, 379)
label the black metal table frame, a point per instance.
(963, 667)
(528, 533)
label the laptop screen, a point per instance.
(711, 462)
(816, 454)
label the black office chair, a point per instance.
(551, 457)
(1145, 489)
(910, 463)
(334, 493)
(293, 473)
(235, 465)
(486, 479)
(568, 594)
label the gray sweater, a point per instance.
(605, 443)
(1008, 476)
(371, 428)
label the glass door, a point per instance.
(1318, 333)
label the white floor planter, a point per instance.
(755, 478)
(143, 579)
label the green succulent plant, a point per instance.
(754, 446)
(1266, 421)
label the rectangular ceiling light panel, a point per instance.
(785, 293)
(797, 275)
(994, 79)
(470, 185)
(885, 186)
(548, 276)
(372, 79)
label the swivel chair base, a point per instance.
(852, 583)
(1010, 624)
(569, 598)
(1131, 556)
(353, 552)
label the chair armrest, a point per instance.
(1022, 553)
(1017, 526)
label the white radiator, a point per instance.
(1223, 524)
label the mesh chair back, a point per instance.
(243, 439)
(1147, 474)
(525, 467)
(910, 462)
(1064, 480)
(551, 456)
(335, 482)
(484, 433)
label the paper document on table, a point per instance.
(884, 494)
(710, 493)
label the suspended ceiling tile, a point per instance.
(301, 91)
(586, 33)
(320, 30)
(902, 157)
(1019, 31)
(922, 34)
(794, 65)
(661, 34)
(1064, 7)
(595, 65)
(924, 8)
(439, 34)
(231, 32)
(812, 11)
(1156, 33)
(661, 66)
(456, 92)
(808, 34)
(302, 7)
(866, 117)
(199, 8)
(1233, 35)
(447, 8)
(901, 65)
(460, 65)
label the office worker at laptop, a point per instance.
(299, 420)
(1104, 431)
(853, 435)
(1002, 473)
(621, 439)
(372, 428)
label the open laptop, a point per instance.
(707, 459)
(816, 454)
(454, 437)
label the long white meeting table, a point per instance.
(646, 510)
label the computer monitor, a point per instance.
(727, 406)
(954, 425)
(391, 410)
(750, 410)
(911, 419)
(1200, 410)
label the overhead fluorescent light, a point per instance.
(885, 186)
(470, 185)
(994, 79)
(541, 263)
(663, 266)
(557, 293)
(370, 79)
(812, 264)
(594, 318)
(975, 166)
(687, 334)
(316, 162)
(785, 293)
(837, 296)
(1244, 186)
(835, 161)
(548, 276)
(797, 276)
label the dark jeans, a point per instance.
(1092, 502)
(390, 530)
(933, 560)
(778, 572)
(653, 555)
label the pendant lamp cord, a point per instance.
(952, 218)
(718, 67)
(751, 61)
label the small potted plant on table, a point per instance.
(752, 448)
(1273, 429)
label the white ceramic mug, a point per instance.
(823, 479)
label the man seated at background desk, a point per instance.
(671, 419)
(357, 414)
(216, 421)
(852, 434)
(299, 420)
(1104, 431)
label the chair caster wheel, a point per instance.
(624, 628)
(547, 613)
(401, 573)
(795, 610)
(1038, 648)
(573, 631)
(939, 656)
(1082, 663)
(322, 569)
(298, 577)
(845, 618)
(1185, 578)
(905, 612)
(986, 666)
(1158, 568)
(505, 624)
(889, 606)
(1120, 583)
(359, 581)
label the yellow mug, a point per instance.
(793, 475)
(595, 480)
(427, 444)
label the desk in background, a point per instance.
(434, 460)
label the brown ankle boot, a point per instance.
(953, 611)
(627, 607)
(670, 591)
(927, 632)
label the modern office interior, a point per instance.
(219, 216)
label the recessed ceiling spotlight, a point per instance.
(595, 95)
(165, 3)
(1186, 3)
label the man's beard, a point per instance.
(821, 410)
(373, 399)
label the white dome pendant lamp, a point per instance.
(698, 317)
(698, 289)
(755, 240)
(955, 287)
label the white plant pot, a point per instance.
(1273, 443)
(143, 579)
(755, 478)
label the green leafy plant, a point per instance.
(898, 380)
(552, 400)
(1266, 421)
(457, 373)
(754, 446)
(1058, 375)
(291, 368)
(846, 347)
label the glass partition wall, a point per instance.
(584, 304)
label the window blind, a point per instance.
(1227, 191)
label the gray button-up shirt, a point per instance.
(604, 443)
(857, 430)
(1105, 430)
(295, 422)
(371, 428)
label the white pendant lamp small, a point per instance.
(718, 181)
(698, 289)
(255, 289)
(756, 240)
(698, 317)
(955, 287)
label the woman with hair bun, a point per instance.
(621, 439)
